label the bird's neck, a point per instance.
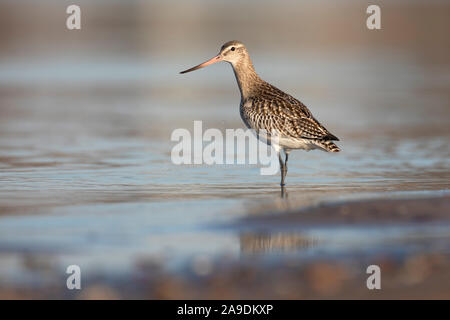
(246, 77)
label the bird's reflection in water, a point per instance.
(278, 242)
(279, 202)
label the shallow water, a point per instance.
(86, 176)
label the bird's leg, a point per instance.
(286, 159)
(283, 169)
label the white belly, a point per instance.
(304, 144)
(291, 143)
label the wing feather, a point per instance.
(284, 113)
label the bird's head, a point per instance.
(233, 52)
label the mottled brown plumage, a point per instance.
(265, 107)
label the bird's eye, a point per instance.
(233, 48)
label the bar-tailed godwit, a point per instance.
(265, 107)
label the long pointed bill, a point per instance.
(204, 64)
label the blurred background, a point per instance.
(86, 117)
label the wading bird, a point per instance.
(265, 107)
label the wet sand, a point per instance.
(369, 212)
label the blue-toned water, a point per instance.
(86, 176)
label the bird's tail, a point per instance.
(329, 146)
